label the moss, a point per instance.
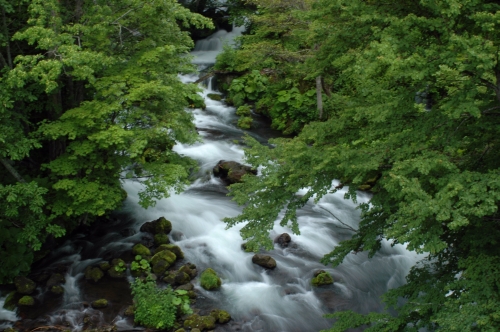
(26, 301)
(57, 290)
(214, 96)
(221, 316)
(93, 274)
(190, 269)
(129, 312)
(104, 266)
(171, 247)
(10, 302)
(161, 238)
(24, 285)
(140, 249)
(209, 280)
(98, 304)
(200, 322)
(162, 260)
(118, 268)
(244, 110)
(322, 278)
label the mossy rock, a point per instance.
(221, 316)
(57, 290)
(161, 239)
(162, 260)
(130, 311)
(140, 249)
(10, 301)
(104, 265)
(93, 274)
(190, 269)
(24, 285)
(55, 279)
(321, 278)
(118, 268)
(200, 322)
(160, 225)
(214, 96)
(171, 247)
(209, 280)
(187, 287)
(99, 304)
(27, 301)
(181, 330)
(169, 277)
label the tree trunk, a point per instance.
(319, 96)
(12, 170)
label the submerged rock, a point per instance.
(264, 260)
(321, 278)
(24, 285)
(231, 172)
(210, 280)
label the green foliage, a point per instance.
(245, 122)
(437, 173)
(90, 96)
(244, 110)
(247, 88)
(140, 264)
(120, 267)
(155, 307)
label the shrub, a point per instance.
(245, 122)
(158, 308)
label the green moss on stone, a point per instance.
(200, 322)
(104, 266)
(171, 247)
(162, 261)
(26, 301)
(98, 304)
(93, 274)
(214, 96)
(221, 316)
(10, 302)
(322, 278)
(140, 249)
(57, 290)
(209, 280)
(24, 285)
(161, 238)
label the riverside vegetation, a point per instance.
(401, 98)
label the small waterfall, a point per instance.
(206, 50)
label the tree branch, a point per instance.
(12, 170)
(343, 223)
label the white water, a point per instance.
(261, 300)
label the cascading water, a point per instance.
(258, 300)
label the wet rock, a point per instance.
(321, 278)
(160, 239)
(181, 278)
(99, 304)
(104, 265)
(118, 269)
(140, 249)
(93, 274)
(24, 285)
(190, 269)
(162, 260)
(181, 330)
(27, 301)
(264, 260)
(55, 279)
(221, 316)
(187, 287)
(231, 172)
(130, 311)
(209, 280)
(160, 225)
(57, 290)
(10, 301)
(200, 322)
(283, 240)
(171, 247)
(214, 96)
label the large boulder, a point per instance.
(231, 172)
(24, 285)
(221, 316)
(171, 247)
(283, 240)
(158, 226)
(93, 274)
(210, 280)
(264, 260)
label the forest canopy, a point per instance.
(411, 95)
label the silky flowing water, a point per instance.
(258, 300)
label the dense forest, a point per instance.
(398, 98)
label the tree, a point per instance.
(91, 97)
(414, 113)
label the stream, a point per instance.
(257, 299)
